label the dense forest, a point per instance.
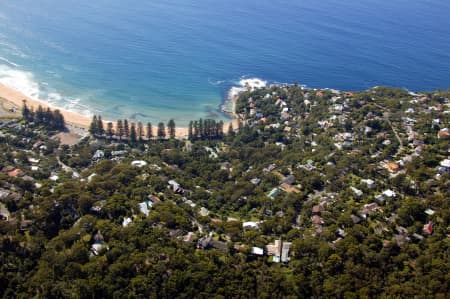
(315, 194)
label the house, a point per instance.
(38, 144)
(204, 212)
(4, 194)
(91, 176)
(428, 228)
(155, 200)
(317, 220)
(392, 167)
(317, 209)
(290, 179)
(257, 251)
(54, 177)
(5, 215)
(126, 221)
(99, 244)
(357, 192)
(99, 154)
(118, 153)
(270, 168)
(139, 163)
(16, 173)
(175, 187)
(144, 207)
(389, 193)
(444, 166)
(285, 252)
(369, 209)
(429, 212)
(273, 193)
(250, 225)
(444, 134)
(207, 242)
(274, 249)
(370, 183)
(189, 237)
(226, 166)
(33, 160)
(255, 181)
(279, 250)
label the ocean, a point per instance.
(156, 60)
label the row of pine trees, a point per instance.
(52, 120)
(131, 131)
(123, 129)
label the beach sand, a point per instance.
(74, 120)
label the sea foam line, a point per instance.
(9, 62)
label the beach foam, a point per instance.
(246, 84)
(25, 83)
(20, 81)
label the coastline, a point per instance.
(80, 122)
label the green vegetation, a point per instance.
(355, 185)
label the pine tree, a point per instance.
(230, 130)
(39, 116)
(171, 128)
(120, 129)
(161, 131)
(190, 131)
(133, 133)
(109, 129)
(140, 130)
(126, 128)
(149, 131)
(100, 128)
(93, 127)
(58, 120)
(220, 129)
(201, 129)
(196, 131)
(25, 111)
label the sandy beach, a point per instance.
(74, 120)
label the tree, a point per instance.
(219, 129)
(58, 120)
(171, 128)
(120, 129)
(230, 129)
(190, 131)
(149, 131)
(109, 129)
(133, 133)
(161, 131)
(126, 128)
(100, 129)
(140, 130)
(39, 116)
(196, 130)
(94, 126)
(26, 113)
(201, 129)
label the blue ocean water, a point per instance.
(156, 60)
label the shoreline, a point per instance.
(81, 122)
